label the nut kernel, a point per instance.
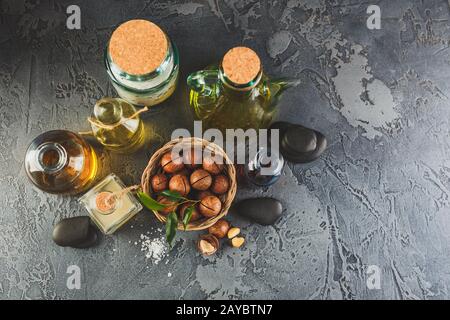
(233, 232)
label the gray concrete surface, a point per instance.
(379, 196)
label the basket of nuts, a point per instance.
(194, 189)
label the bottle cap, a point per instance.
(241, 65)
(138, 47)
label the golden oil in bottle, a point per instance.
(235, 93)
(117, 126)
(61, 162)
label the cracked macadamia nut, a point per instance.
(219, 229)
(170, 165)
(220, 184)
(200, 179)
(193, 158)
(159, 182)
(180, 184)
(208, 244)
(211, 166)
(170, 205)
(210, 206)
(195, 214)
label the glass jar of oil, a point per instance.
(61, 162)
(116, 125)
(235, 93)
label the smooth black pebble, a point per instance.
(299, 144)
(75, 232)
(265, 211)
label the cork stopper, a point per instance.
(241, 65)
(138, 47)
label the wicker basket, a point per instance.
(153, 168)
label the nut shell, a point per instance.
(200, 179)
(220, 184)
(159, 182)
(170, 165)
(180, 184)
(219, 229)
(208, 244)
(170, 205)
(211, 166)
(210, 206)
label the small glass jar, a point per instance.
(144, 71)
(263, 170)
(110, 204)
(61, 162)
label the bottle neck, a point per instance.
(238, 90)
(51, 157)
(108, 111)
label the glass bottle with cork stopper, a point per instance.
(142, 62)
(116, 125)
(236, 93)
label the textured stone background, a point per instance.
(379, 196)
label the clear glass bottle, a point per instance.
(116, 125)
(110, 204)
(263, 170)
(61, 162)
(236, 93)
(142, 63)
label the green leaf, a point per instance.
(187, 216)
(171, 227)
(148, 202)
(173, 195)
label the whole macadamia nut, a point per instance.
(203, 194)
(170, 165)
(200, 179)
(159, 182)
(180, 184)
(211, 166)
(210, 206)
(220, 184)
(219, 229)
(193, 158)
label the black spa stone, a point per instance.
(299, 144)
(75, 232)
(265, 211)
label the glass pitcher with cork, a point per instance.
(236, 93)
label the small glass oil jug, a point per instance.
(236, 93)
(117, 126)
